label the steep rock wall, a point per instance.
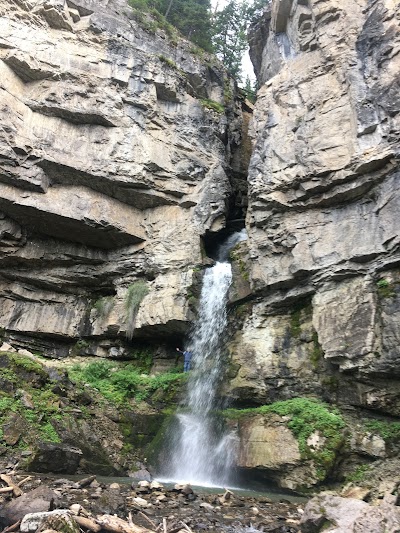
(320, 316)
(113, 166)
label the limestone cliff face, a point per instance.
(324, 203)
(113, 165)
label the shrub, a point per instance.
(358, 474)
(167, 61)
(387, 430)
(117, 383)
(385, 288)
(134, 296)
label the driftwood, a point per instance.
(6, 489)
(117, 525)
(11, 528)
(20, 483)
(185, 526)
(87, 523)
(10, 482)
(164, 521)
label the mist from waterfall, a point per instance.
(202, 452)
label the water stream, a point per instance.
(202, 452)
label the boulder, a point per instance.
(38, 500)
(56, 458)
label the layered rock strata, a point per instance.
(114, 164)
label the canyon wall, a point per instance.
(116, 138)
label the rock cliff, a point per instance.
(116, 142)
(323, 249)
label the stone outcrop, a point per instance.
(112, 169)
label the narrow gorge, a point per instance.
(127, 156)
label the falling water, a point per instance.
(202, 451)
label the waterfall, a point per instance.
(202, 452)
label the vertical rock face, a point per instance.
(112, 168)
(324, 203)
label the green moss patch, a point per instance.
(215, 106)
(22, 375)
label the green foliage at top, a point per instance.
(222, 32)
(168, 61)
(306, 416)
(190, 17)
(118, 383)
(387, 430)
(134, 296)
(229, 28)
(230, 35)
(26, 363)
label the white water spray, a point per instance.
(202, 452)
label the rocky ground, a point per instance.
(140, 506)
(32, 503)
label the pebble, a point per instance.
(115, 486)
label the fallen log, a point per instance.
(153, 525)
(87, 523)
(20, 483)
(6, 489)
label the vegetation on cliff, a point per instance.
(118, 383)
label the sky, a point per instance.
(247, 67)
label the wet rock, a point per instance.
(141, 502)
(14, 429)
(207, 506)
(155, 485)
